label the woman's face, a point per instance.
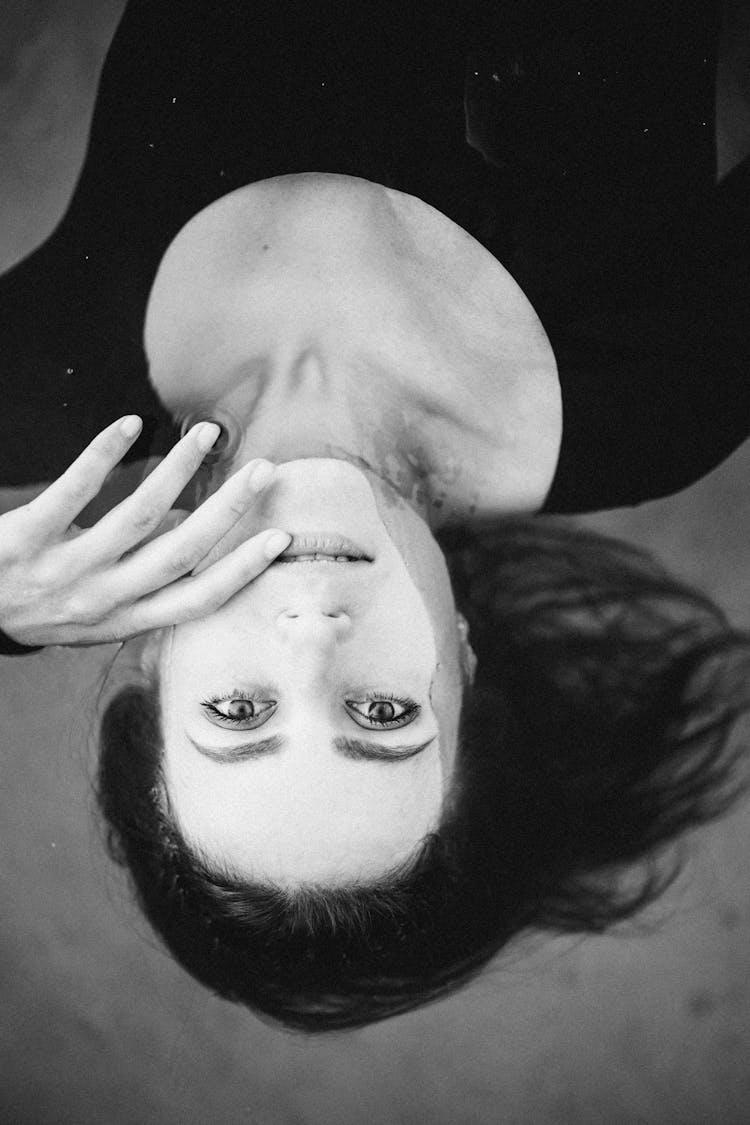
(310, 725)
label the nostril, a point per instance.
(313, 615)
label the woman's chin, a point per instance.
(321, 496)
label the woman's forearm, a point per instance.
(51, 56)
(733, 87)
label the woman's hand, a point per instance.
(61, 585)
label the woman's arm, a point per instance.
(51, 56)
(733, 87)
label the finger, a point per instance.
(140, 514)
(178, 552)
(199, 596)
(55, 509)
(172, 520)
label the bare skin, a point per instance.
(733, 87)
(132, 571)
(51, 57)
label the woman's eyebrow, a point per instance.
(228, 754)
(354, 748)
(374, 752)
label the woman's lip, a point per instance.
(324, 544)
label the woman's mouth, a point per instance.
(323, 547)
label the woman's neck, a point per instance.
(330, 317)
(310, 405)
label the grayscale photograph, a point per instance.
(375, 562)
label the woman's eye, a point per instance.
(238, 711)
(383, 711)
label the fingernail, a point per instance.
(130, 425)
(261, 476)
(207, 435)
(276, 543)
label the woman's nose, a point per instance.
(318, 627)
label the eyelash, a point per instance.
(410, 707)
(209, 705)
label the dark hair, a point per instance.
(598, 730)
